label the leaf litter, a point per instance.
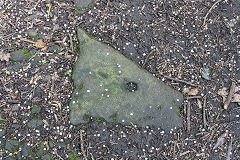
(4, 56)
(224, 93)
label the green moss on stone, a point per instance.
(102, 74)
(99, 119)
(27, 53)
(86, 118)
(90, 5)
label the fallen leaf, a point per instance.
(236, 98)
(236, 89)
(193, 92)
(40, 44)
(4, 56)
(186, 90)
(223, 92)
(199, 103)
(207, 73)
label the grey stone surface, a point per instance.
(34, 123)
(46, 157)
(25, 150)
(110, 86)
(21, 55)
(17, 55)
(83, 3)
(11, 145)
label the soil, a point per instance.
(183, 43)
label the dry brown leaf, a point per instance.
(223, 92)
(236, 98)
(40, 44)
(199, 103)
(193, 92)
(236, 89)
(186, 90)
(4, 56)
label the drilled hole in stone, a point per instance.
(131, 86)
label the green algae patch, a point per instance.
(112, 87)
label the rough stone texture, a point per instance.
(17, 55)
(110, 86)
(83, 3)
(34, 123)
(21, 55)
(11, 145)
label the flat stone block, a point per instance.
(110, 86)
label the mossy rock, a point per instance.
(21, 55)
(12, 145)
(112, 87)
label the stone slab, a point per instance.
(110, 86)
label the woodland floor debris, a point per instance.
(166, 36)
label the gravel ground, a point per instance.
(174, 40)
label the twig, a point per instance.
(194, 97)
(188, 117)
(230, 95)
(182, 81)
(71, 42)
(204, 111)
(49, 9)
(34, 6)
(82, 145)
(13, 101)
(26, 40)
(229, 152)
(55, 151)
(146, 60)
(7, 7)
(209, 11)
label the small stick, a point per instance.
(194, 97)
(7, 7)
(209, 11)
(82, 145)
(230, 95)
(49, 9)
(229, 152)
(71, 42)
(188, 117)
(182, 81)
(26, 40)
(13, 101)
(146, 60)
(204, 111)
